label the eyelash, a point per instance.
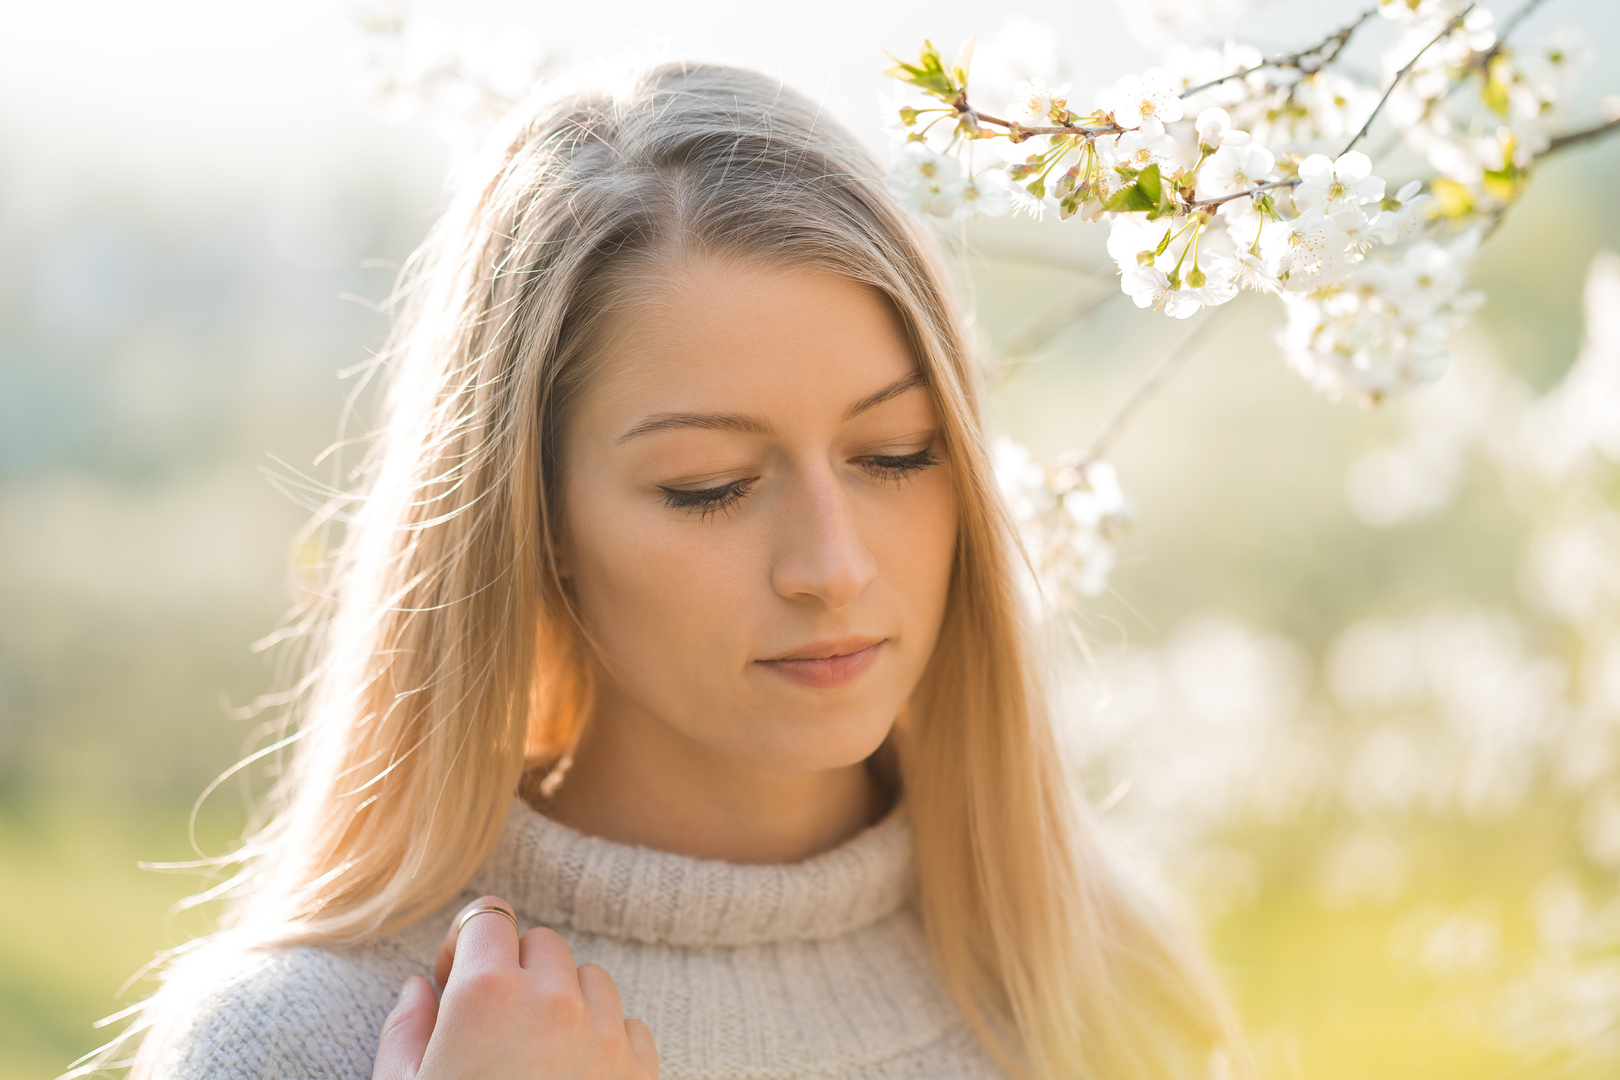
(720, 499)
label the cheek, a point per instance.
(914, 541)
(666, 600)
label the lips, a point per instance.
(827, 665)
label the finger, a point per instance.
(543, 953)
(601, 994)
(405, 1033)
(641, 1044)
(482, 942)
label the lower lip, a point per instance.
(828, 673)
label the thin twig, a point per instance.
(1161, 373)
(1334, 44)
(1513, 22)
(1042, 325)
(1575, 138)
(1027, 130)
(1201, 204)
(1455, 22)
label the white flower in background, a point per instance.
(1413, 12)
(1394, 222)
(1212, 126)
(1191, 66)
(1334, 106)
(1332, 186)
(1157, 24)
(1035, 104)
(1386, 330)
(927, 182)
(458, 80)
(1153, 95)
(1020, 50)
(1576, 424)
(1238, 165)
(1068, 517)
(987, 193)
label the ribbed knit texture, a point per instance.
(766, 972)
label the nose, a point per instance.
(820, 553)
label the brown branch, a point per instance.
(1200, 204)
(1300, 61)
(1455, 22)
(1168, 366)
(1512, 24)
(1575, 138)
(1026, 130)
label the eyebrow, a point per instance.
(893, 390)
(753, 425)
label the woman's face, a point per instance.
(760, 520)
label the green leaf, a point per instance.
(1495, 95)
(1144, 196)
(928, 74)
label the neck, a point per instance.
(636, 780)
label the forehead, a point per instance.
(713, 333)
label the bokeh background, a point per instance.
(1355, 692)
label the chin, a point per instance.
(803, 744)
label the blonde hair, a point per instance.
(450, 664)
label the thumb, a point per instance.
(406, 1032)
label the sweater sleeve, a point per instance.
(285, 1014)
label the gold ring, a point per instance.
(481, 910)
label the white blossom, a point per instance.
(1153, 95)
(1238, 165)
(987, 193)
(1245, 269)
(1068, 517)
(1332, 186)
(1035, 104)
(1312, 250)
(926, 181)
(1147, 145)
(1212, 125)
(1393, 222)
(1386, 329)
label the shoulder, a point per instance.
(296, 1013)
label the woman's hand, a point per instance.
(513, 1007)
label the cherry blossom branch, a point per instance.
(1020, 132)
(1299, 61)
(1150, 386)
(1051, 318)
(1455, 22)
(1512, 22)
(1202, 204)
(1575, 138)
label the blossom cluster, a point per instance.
(1223, 171)
(1068, 516)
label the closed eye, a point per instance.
(899, 466)
(705, 501)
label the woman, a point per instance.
(677, 629)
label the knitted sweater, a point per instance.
(766, 972)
